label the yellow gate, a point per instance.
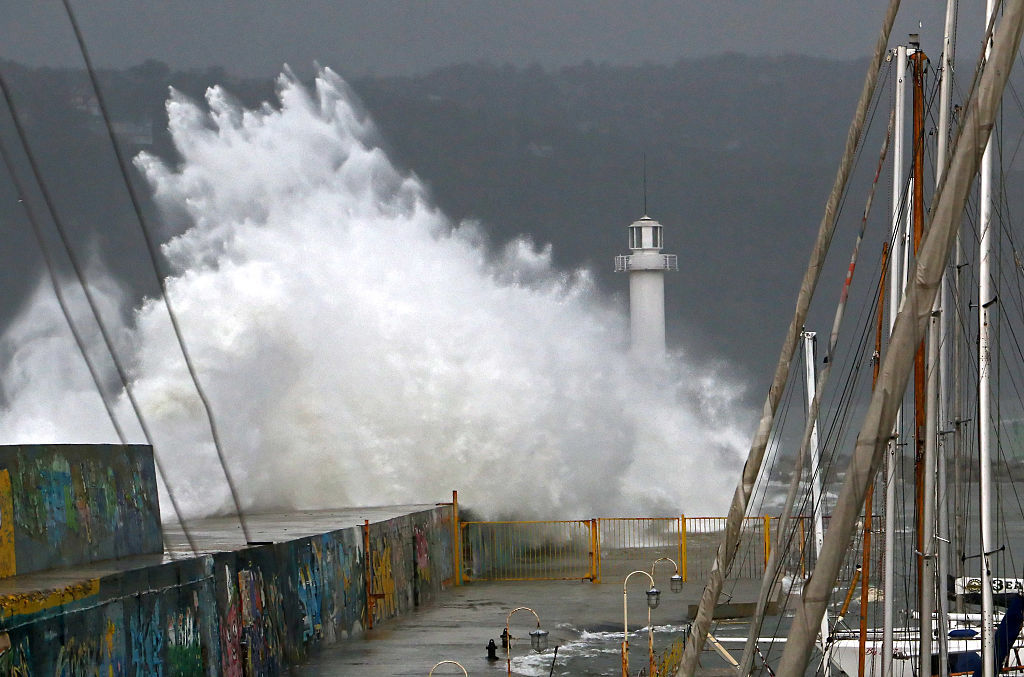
(530, 551)
(630, 543)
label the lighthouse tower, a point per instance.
(646, 266)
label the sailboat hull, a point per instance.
(845, 648)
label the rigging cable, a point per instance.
(77, 268)
(154, 260)
(58, 291)
(788, 525)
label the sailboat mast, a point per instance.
(752, 467)
(865, 560)
(817, 506)
(924, 408)
(939, 309)
(910, 325)
(895, 296)
(986, 299)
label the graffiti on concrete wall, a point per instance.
(411, 561)
(330, 593)
(247, 612)
(344, 560)
(15, 660)
(311, 593)
(77, 503)
(184, 641)
(231, 630)
(383, 581)
(422, 546)
(146, 636)
(261, 622)
(442, 548)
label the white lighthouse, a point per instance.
(646, 266)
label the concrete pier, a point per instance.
(313, 579)
(584, 619)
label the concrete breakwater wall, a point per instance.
(70, 504)
(252, 611)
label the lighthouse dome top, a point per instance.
(645, 234)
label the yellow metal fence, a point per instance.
(590, 549)
(530, 551)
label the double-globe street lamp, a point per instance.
(653, 597)
(538, 637)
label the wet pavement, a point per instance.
(585, 622)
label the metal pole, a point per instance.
(817, 508)
(941, 306)
(456, 541)
(986, 299)
(925, 399)
(625, 625)
(895, 297)
(865, 581)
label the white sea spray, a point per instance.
(360, 348)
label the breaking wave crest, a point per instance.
(359, 348)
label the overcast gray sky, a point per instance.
(381, 37)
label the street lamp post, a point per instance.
(538, 637)
(453, 663)
(653, 597)
(676, 581)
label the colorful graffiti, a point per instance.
(92, 655)
(71, 504)
(422, 554)
(231, 631)
(344, 564)
(253, 611)
(383, 583)
(261, 622)
(184, 646)
(147, 641)
(15, 660)
(330, 596)
(310, 592)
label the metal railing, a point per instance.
(530, 551)
(704, 534)
(629, 542)
(591, 549)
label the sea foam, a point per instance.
(359, 348)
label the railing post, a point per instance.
(682, 547)
(591, 528)
(456, 538)
(767, 539)
(368, 566)
(597, 547)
